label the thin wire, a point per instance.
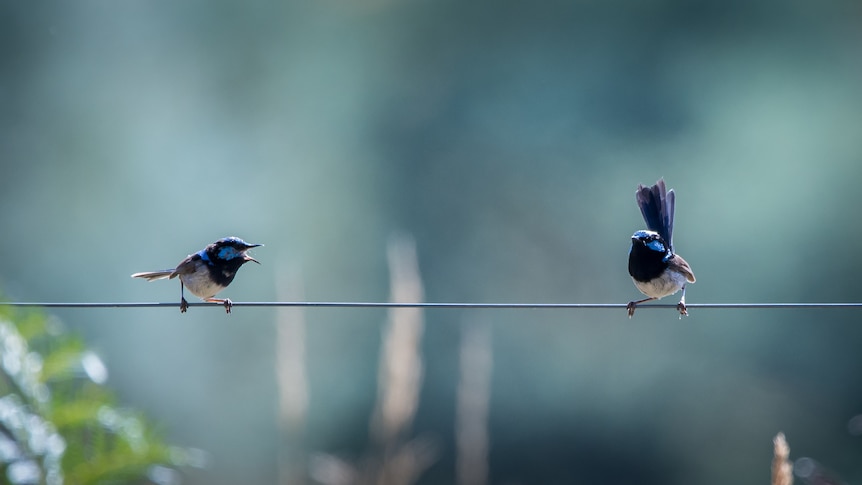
(358, 304)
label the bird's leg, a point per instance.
(633, 304)
(226, 302)
(184, 305)
(681, 305)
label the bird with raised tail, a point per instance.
(655, 269)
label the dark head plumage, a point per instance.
(649, 255)
(231, 249)
(235, 242)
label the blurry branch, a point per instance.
(397, 459)
(400, 372)
(59, 423)
(782, 469)
(474, 396)
(291, 379)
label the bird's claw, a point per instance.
(630, 308)
(683, 311)
(184, 305)
(224, 301)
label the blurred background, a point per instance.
(504, 139)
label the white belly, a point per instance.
(669, 283)
(200, 284)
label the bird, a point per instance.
(207, 271)
(654, 267)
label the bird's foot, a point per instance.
(682, 309)
(630, 308)
(226, 302)
(184, 305)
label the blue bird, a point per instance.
(207, 271)
(655, 269)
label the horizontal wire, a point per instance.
(358, 304)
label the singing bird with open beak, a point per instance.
(208, 271)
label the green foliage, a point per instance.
(58, 422)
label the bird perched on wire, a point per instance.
(655, 269)
(207, 271)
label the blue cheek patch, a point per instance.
(204, 257)
(656, 246)
(227, 253)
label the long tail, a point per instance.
(154, 275)
(657, 205)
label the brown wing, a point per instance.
(186, 266)
(682, 267)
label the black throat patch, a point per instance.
(645, 264)
(223, 271)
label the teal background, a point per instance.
(507, 138)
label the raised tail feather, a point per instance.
(657, 205)
(154, 275)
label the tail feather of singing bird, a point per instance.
(154, 275)
(657, 205)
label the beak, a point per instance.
(245, 255)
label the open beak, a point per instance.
(245, 255)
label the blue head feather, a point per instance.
(656, 246)
(654, 242)
(229, 248)
(233, 240)
(228, 252)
